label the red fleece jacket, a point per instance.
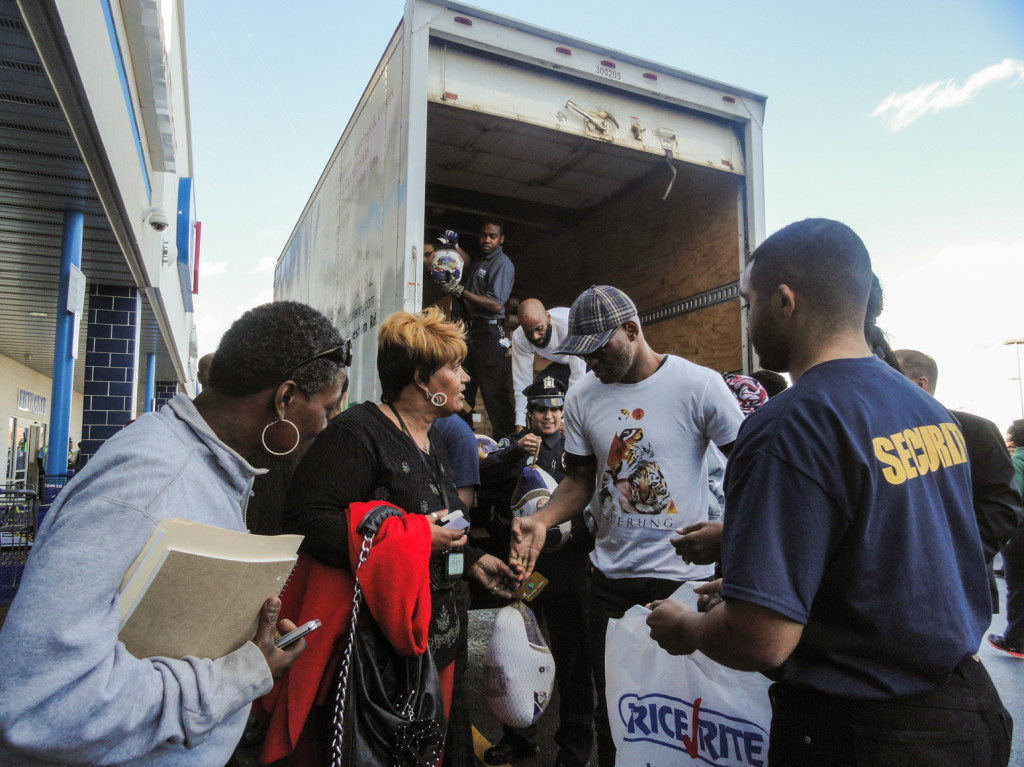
(396, 590)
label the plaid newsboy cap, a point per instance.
(596, 313)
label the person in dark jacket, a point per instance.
(997, 506)
(560, 603)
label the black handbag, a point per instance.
(388, 710)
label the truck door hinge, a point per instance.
(596, 122)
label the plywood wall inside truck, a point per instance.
(707, 336)
(656, 250)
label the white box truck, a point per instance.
(605, 168)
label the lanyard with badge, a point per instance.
(454, 561)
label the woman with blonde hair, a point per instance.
(384, 451)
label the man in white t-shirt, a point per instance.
(540, 332)
(637, 428)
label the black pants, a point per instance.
(458, 744)
(1013, 568)
(490, 371)
(961, 723)
(610, 598)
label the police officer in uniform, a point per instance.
(560, 603)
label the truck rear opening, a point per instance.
(594, 186)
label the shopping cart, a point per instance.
(51, 485)
(18, 517)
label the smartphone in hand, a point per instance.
(454, 521)
(293, 636)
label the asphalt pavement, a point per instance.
(1007, 672)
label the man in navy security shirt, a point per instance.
(850, 555)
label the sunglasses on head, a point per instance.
(340, 354)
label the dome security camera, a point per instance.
(157, 218)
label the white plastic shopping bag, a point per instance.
(519, 672)
(667, 711)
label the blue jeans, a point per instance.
(961, 723)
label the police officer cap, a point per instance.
(546, 391)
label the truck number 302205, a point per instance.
(609, 73)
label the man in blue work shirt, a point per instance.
(851, 560)
(484, 297)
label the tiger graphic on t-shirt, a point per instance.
(634, 482)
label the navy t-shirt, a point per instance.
(848, 509)
(460, 443)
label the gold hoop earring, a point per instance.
(263, 437)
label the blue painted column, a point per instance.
(63, 362)
(150, 380)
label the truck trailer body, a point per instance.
(605, 168)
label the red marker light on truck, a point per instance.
(650, 76)
(729, 99)
(463, 20)
(563, 50)
(609, 64)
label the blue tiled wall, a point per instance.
(111, 364)
(163, 391)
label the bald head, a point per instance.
(203, 369)
(535, 322)
(531, 311)
(919, 368)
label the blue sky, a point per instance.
(903, 119)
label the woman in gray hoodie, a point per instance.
(69, 690)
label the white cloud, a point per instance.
(266, 264)
(211, 269)
(899, 110)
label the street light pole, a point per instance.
(1016, 342)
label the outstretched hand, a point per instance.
(494, 575)
(528, 538)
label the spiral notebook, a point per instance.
(197, 590)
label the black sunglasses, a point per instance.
(340, 354)
(599, 352)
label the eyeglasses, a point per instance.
(340, 354)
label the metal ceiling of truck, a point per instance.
(42, 174)
(502, 158)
